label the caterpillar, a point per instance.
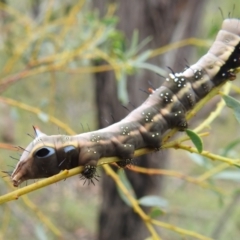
(165, 108)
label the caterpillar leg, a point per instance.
(182, 125)
(177, 119)
(89, 173)
(125, 152)
(124, 163)
(88, 158)
(152, 135)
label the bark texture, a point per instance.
(166, 21)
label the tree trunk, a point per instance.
(165, 21)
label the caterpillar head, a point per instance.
(45, 156)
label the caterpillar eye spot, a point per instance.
(44, 152)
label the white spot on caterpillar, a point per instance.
(171, 76)
(178, 74)
(125, 130)
(95, 138)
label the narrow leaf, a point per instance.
(122, 88)
(132, 50)
(143, 56)
(200, 160)
(197, 141)
(137, 48)
(234, 104)
(127, 184)
(230, 147)
(156, 212)
(153, 201)
(236, 165)
(43, 116)
(40, 233)
(228, 175)
(151, 67)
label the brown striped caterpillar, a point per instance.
(164, 109)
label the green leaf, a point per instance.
(40, 232)
(230, 146)
(197, 141)
(122, 88)
(43, 116)
(150, 67)
(142, 57)
(153, 201)
(134, 49)
(234, 104)
(221, 199)
(200, 160)
(228, 175)
(156, 212)
(236, 165)
(127, 184)
(110, 20)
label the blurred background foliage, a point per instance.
(48, 50)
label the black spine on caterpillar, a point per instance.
(164, 109)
